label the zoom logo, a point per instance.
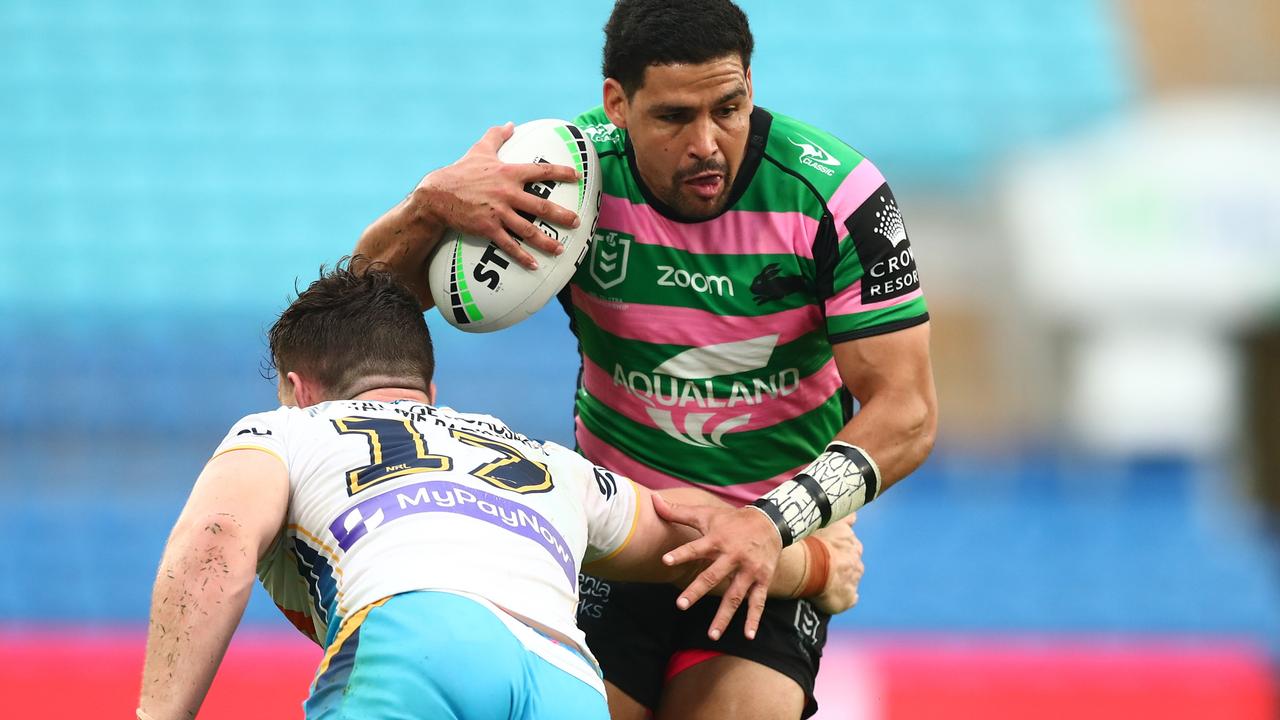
(697, 282)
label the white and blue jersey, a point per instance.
(392, 498)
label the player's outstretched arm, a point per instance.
(893, 432)
(826, 569)
(235, 510)
(478, 195)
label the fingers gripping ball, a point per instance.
(477, 286)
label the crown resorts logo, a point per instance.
(890, 222)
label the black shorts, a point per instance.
(635, 628)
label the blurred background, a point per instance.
(1091, 188)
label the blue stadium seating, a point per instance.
(170, 169)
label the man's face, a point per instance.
(689, 127)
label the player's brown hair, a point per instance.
(355, 322)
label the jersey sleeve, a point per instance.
(875, 287)
(612, 513)
(262, 431)
(610, 503)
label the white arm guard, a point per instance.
(838, 482)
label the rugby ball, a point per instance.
(479, 288)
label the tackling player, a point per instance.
(750, 284)
(434, 554)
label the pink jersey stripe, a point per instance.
(602, 453)
(737, 232)
(849, 301)
(690, 327)
(854, 191)
(672, 400)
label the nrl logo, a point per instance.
(815, 156)
(609, 254)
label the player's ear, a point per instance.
(751, 92)
(305, 391)
(615, 102)
(284, 391)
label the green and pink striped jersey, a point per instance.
(706, 346)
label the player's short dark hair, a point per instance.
(352, 324)
(641, 33)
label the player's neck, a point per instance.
(391, 394)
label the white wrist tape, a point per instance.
(838, 482)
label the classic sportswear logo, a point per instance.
(609, 254)
(604, 132)
(815, 156)
(684, 381)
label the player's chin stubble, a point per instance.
(687, 204)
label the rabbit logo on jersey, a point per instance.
(686, 382)
(443, 496)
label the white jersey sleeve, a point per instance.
(610, 502)
(261, 431)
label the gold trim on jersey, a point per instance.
(635, 522)
(349, 627)
(330, 553)
(259, 448)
